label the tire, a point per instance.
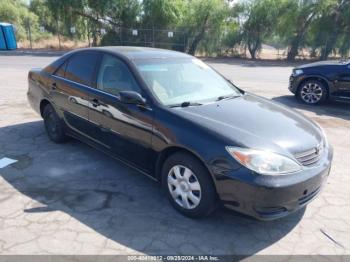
(312, 92)
(53, 125)
(197, 203)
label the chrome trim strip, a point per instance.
(309, 157)
(89, 87)
(310, 162)
(305, 153)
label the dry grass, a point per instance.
(271, 53)
(266, 53)
(53, 44)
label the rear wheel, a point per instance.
(312, 92)
(53, 125)
(188, 185)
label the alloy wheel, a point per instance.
(311, 93)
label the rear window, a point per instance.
(81, 67)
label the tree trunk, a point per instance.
(337, 22)
(252, 52)
(194, 44)
(199, 36)
(253, 48)
(293, 51)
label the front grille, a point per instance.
(310, 157)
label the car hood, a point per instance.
(322, 63)
(255, 122)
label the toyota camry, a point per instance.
(175, 119)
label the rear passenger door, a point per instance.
(125, 128)
(71, 85)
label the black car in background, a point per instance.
(173, 118)
(317, 82)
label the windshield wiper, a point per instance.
(226, 97)
(186, 104)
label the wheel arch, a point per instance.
(43, 104)
(167, 152)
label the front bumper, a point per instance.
(294, 82)
(272, 197)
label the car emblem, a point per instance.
(317, 150)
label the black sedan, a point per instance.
(317, 82)
(175, 119)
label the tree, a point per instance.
(344, 38)
(17, 13)
(261, 18)
(93, 15)
(203, 18)
(161, 13)
(295, 22)
(337, 25)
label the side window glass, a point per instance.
(61, 70)
(114, 76)
(81, 67)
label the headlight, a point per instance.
(264, 162)
(297, 72)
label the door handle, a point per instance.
(54, 86)
(95, 102)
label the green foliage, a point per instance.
(204, 19)
(296, 20)
(232, 35)
(161, 13)
(261, 17)
(200, 26)
(330, 29)
(17, 13)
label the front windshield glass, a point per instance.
(175, 81)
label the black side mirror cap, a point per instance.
(131, 97)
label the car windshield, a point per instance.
(184, 81)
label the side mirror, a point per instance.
(131, 97)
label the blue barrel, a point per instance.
(9, 35)
(2, 40)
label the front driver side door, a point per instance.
(125, 129)
(343, 82)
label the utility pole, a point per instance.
(58, 34)
(29, 34)
(153, 35)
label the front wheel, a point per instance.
(312, 92)
(188, 185)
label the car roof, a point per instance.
(136, 52)
(128, 52)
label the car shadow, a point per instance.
(119, 203)
(330, 109)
